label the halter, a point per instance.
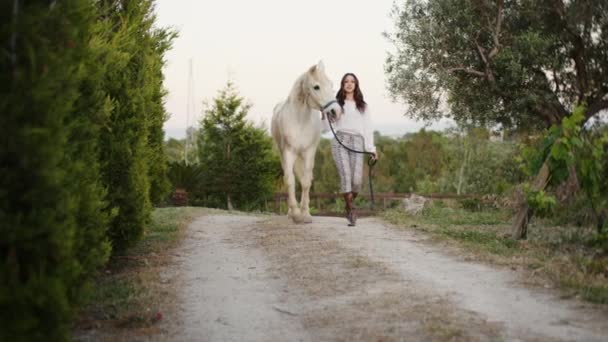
(328, 105)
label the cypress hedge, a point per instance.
(81, 154)
(52, 202)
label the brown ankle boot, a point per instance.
(350, 215)
(353, 209)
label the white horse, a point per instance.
(296, 129)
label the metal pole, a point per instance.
(188, 107)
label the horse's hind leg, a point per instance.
(289, 159)
(304, 170)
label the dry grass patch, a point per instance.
(319, 268)
(552, 256)
(129, 296)
(397, 314)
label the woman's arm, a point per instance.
(368, 132)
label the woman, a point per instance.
(354, 131)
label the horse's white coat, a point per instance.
(296, 129)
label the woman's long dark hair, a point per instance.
(358, 95)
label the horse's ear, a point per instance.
(312, 69)
(321, 66)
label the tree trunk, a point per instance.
(228, 200)
(519, 229)
(462, 169)
(566, 192)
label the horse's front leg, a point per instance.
(306, 181)
(289, 159)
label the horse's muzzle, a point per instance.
(332, 114)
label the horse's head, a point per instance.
(316, 90)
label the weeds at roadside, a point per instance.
(128, 293)
(552, 256)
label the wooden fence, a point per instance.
(382, 200)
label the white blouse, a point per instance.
(354, 122)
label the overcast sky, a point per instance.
(264, 45)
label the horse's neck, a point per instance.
(299, 112)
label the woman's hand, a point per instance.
(331, 116)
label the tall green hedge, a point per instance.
(52, 235)
(134, 167)
(160, 185)
(81, 160)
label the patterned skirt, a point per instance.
(349, 164)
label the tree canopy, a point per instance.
(521, 64)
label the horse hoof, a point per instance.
(295, 214)
(297, 218)
(307, 219)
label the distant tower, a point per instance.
(189, 110)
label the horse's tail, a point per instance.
(275, 129)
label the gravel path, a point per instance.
(247, 278)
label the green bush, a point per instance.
(241, 168)
(160, 185)
(81, 103)
(133, 166)
(158, 44)
(51, 205)
(472, 204)
(584, 151)
(188, 178)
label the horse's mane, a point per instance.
(298, 91)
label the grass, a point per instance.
(552, 256)
(129, 293)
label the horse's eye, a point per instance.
(317, 87)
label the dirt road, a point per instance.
(247, 278)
